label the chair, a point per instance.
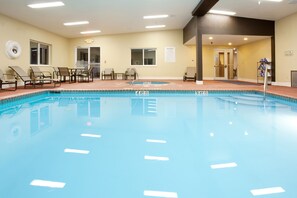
(31, 81)
(37, 73)
(108, 72)
(86, 75)
(56, 72)
(4, 81)
(190, 74)
(64, 73)
(130, 72)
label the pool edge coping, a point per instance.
(26, 95)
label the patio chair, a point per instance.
(31, 81)
(65, 72)
(190, 74)
(108, 72)
(130, 72)
(37, 73)
(86, 75)
(5, 81)
(56, 72)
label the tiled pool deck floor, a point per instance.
(172, 85)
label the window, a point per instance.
(39, 53)
(143, 56)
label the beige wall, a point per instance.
(116, 52)
(22, 33)
(285, 41)
(249, 55)
(209, 60)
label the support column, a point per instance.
(199, 68)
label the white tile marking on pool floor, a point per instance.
(90, 135)
(76, 151)
(157, 158)
(163, 194)
(227, 165)
(267, 191)
(49, 184)
(156, 141)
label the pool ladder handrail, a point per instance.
(265, 86)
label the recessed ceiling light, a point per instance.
(47, 5)
(221, 12)
(245, 39)
(156, 16)
(155, 26)
(229, 43)
(210, 38)
(91, 32)
(76, 23)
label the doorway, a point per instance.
(223, 64)
(88, 57)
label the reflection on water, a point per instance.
(250, 142)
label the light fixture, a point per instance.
(76, 23)
(89, 41)
(222, 12)
(91, 32)
(156, 16)
(277, 1)
(154, 26)
(245, 38)
(210, 38)
(229, 43)
(47, 5)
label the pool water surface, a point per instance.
(148, 144)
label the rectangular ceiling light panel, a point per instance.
(76, 23)
(156, 16)
(47, 5)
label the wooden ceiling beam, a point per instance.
(203, 7)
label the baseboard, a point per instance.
(247, 80)
(160, 78)
(199, 82)
(284, 84)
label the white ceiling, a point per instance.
(125, 16)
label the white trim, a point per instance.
(247, 80)
(198, 82)
(285, 84)
(208, 78)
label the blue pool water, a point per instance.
(148, 144)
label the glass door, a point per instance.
(88, 57)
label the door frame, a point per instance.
(226, 64)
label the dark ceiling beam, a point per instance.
(203, 7)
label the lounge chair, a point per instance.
(32, 81)
(37, 73)
(190, 74)
(65, 72)
(86, 75)
(5, 81)
(130, 72)
(108, 72)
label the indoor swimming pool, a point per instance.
(142, 144)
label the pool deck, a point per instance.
(172, 85)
